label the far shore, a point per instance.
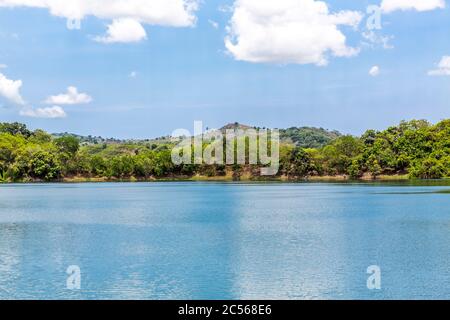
(229, 178)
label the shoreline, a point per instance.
(243, 178)
(227, 178)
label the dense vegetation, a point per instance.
(416, 148)
(307, 137)
(304, 137)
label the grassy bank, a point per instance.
(230, 178)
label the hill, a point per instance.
(305, 137)
(308, 137)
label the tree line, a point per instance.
(415, 148)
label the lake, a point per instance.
(188, 240)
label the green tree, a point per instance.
(44, 165)
(40, 137)
(429, 168)
(338, 156)
(374, 167)
(301, 165)
(122, 166)
(68, 144)
(356, 169)
(15, 129)
(98, 166)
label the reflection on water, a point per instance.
(224, 241)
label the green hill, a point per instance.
(305, 137)
(308, 137)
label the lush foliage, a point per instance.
(414, 148)
(307, 137)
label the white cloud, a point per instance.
(213, 23)
(288, 31)
(443, 68)
(418, 5)
(170, 13)
(72, 96)
(10, 89)
(374, 71)
(47, 113)
(3, 66)
(123, 31)
(133, 74)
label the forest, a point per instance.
(413, 149)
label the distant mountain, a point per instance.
(305, 137)
(235, 126)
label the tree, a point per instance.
(301, 165)
(122, 166)
(40, 136)
(374, 167)
(44, 165)
(68, 144)
(430, 168)
(68, 147)
(143, 166)
(369, 137)
(15, 129)
(338, 156)
(356, 169)
(162, 163)
(98, 166)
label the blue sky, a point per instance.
(186, 73)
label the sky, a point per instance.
(144, 68)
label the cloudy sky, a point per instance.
(143, 68)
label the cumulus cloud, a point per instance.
(418, 5)
(72, 96)
(374, 71)
(123, 31)
(47, 113)
(288, 31)
(171, 13)
(10, 89)
(443, 68)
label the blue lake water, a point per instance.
(224, 240)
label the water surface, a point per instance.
(224, 240)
